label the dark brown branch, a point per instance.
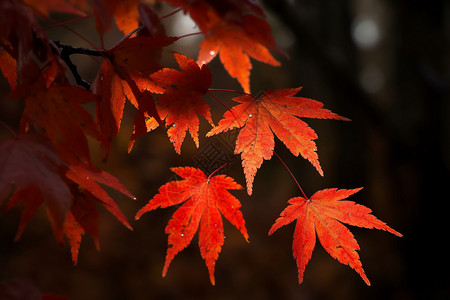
(68, 50)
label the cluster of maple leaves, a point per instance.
(47, 162)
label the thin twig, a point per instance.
(69, 49)
(292, 175)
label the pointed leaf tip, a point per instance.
(323, 215)
(202, 201)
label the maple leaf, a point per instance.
(85, 183)
(182, 100)
(112, 92)
(19, 30)
(137, 58)
(73, 231)
(275, 112)
(205, 198)
(33, 173)
(45, 7)
(125, 75)
(323, 214)
(58, 111)
(206, 13)
(85, 214)
(89, 178)
(31, 168)
(8, 66)
(235, 44)
(234, 30)
(151, 22)
(125, 14)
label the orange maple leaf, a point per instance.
(207, 13)
(323, 214)
(183, 99)
(234, 30)
(275, 112)
(86, 190)
(125, 14)
(235, 43)
(205, 198)
(125, 75)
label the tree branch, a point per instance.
(68, 50)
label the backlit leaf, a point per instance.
(202, 201)
(323, 214)
(275, 112)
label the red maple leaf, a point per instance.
(83, 216)
(205, 198)
(275, 112)
(33, 172)
(74, 232)
(138, 57)
(86, 190)
(45, 7)
(20, 33)
(183, 99)
(323, 214)
(8, 66)
(58, 111)
(89, 178)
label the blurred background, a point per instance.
(383, 64)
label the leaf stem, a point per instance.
(220, 101)
(172, 13)
(75, 33)
(190, 34)
(226, 106)
(231, 91)
(292, 175)
(66, 22)
(221, 167)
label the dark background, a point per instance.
(383, 64)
